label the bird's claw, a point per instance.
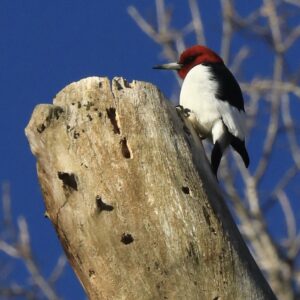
(179, 107)
(185, 111)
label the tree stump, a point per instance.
(130, 193)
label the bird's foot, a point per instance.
(186, 112)
(179, 109)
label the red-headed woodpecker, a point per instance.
(213, 99)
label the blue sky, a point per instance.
(46, 45)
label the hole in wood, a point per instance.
(41, 128)
(102, 205)
(92, 273)
(68, 180)
(125, 149)
(111, 113)
(185, 189)
(126, 238)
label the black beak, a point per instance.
(170, 66)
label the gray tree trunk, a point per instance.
(131, 196)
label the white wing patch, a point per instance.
(233, 118)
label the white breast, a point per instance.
(198, 94)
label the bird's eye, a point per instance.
(190, 59)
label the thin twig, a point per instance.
(288, 214)
(227, 29)
(197, 22)
(58, 269)
(32, 267)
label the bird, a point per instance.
(213, 101)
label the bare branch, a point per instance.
(197, 22)
(141, 22)
(291, 38)
(265, 86)
(8, 249)
(22, 251)
(272, 129)
(270, 11)
(24, 240)
(281, 185)
(289, 126)
(294, 2)
(288, 213)
(58, 269)
(227, 29)
(239, 59)
(25, 252)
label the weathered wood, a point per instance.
(132, 198)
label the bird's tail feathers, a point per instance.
(216, 156)
(239, 146)
(217, 152)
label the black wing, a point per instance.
(228, 88)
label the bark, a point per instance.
(130, 193)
